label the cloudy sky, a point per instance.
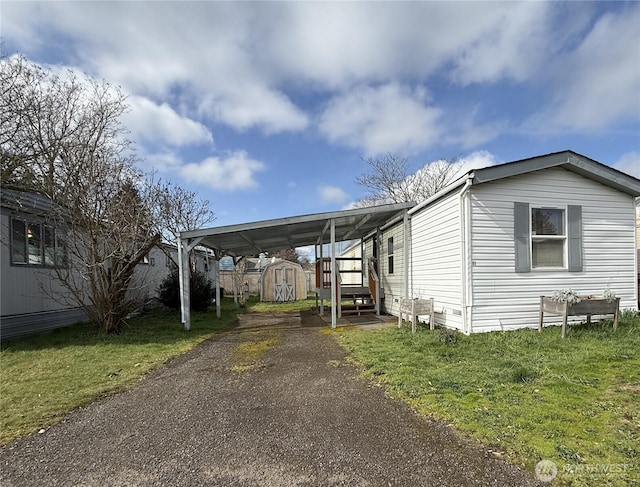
(269, 109)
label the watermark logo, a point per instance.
(598, 469)
(546, 470)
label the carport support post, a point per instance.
(216, 272)
(183, 274)
(334, 305)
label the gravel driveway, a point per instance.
(296, 416)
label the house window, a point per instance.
(19, 242)
(548, 238)
(35, 244)
(390, 254)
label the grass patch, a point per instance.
(533, 395)
(45, 376)
(254, 345)
(255, 306)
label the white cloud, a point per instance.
(150, 122)
(597, 84)
(629, 163)
(247, 106)
(389, 118)
(476, 160)
(237, 171)
(249, 65)
(513, 46)
(159, 160)
(332, 194)
(465, 131)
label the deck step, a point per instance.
(358, 309)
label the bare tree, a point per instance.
(61, 137)
(286, 254)
(391, 182)
(178, 209)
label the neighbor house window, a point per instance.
(390, 254)
(548, 238)
(35, 244)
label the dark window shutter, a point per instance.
(521, 222)
(574, 226)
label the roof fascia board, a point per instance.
(290, 220)
(443, 192)
(394, 221)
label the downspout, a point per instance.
(465, 269)
(405, 244)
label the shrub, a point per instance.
(202, 292)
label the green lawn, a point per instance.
(45, 376)
(527, 395)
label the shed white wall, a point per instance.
(503, 299)
(436, 256)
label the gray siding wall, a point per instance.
(32, 300)
(436, 256)
(21, 289)
(503, 299)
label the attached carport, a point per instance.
(248, 239)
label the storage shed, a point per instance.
(283, 281)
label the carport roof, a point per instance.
(253, 238)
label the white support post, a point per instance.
(216, 270)
(184, 273)
(180, 280)
(379, 281)
(334, 305)
(321, 277)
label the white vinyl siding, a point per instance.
(436, 258)
(393, 284)
(504, 299)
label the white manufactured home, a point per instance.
(488, 246)
(484, 249)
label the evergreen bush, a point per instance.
(202, 292)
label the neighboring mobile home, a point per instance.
(488, 246)
(31, 298)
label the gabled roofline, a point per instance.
(569, 160)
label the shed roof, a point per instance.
(297, 231)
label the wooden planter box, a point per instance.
(412, 308)
(588, 305)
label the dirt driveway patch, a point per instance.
(293, 414)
